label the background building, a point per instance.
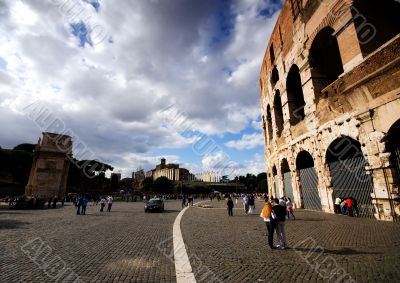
(208, 176)
(330, 90)
(171, 171)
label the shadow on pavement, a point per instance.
(12, 224)
(343, 251)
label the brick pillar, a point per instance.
(349, 46)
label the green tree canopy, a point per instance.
(162, 185)
(29, 147)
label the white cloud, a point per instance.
(248, 141)
(156, 53)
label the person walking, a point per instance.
(109, 203)
(229, 204)
(183, 201)
(102, 204)
(79, 204)
(289, 208)
(266, 215)
(84, 205)
(246, 204)
(279, 216)
(252, 206)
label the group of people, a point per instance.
(274, 214)
(81, 202)
(346, 206)
(33, 202)
(187, 200)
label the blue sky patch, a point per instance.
(80, 30)
(94, 3)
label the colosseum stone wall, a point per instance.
(330, 102)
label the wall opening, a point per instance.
(325, 61)
(349, 178)
(274, 77)
(295, 96)
(272, 54)
(376, 22)
(393, 146)
(269, 122)
(278, 112)
(309, 193)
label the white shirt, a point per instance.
(109, 200)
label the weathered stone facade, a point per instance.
(330, 92)
(49, 173)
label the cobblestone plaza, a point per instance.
(128, 245)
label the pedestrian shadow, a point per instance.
(12, 224)
(342, 251)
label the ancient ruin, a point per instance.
(49, 173)
(330, 100)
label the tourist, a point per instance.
(183, 201)
(349, 204)
(266, 215)
(229, 204)
(109, 203)
(102, 204)
(337, 205)
(49, 203)
(79, 205)
(190, 200)
(55, 202)
(289, 208)
(252, 206)
(279, 216)
(246, 203)
(343, 208)
(84, 205)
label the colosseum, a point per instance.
(330, 101)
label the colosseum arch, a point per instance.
(324, 58)
(269, 122)
(275, 191)
(274, 77)
(393, 146)
(309, 193)
(295, 95)
(349, 179)
(287, 179)
(278, 113)
(376, 23)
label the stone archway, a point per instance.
(308, 181)
(349, 179)
(393, 146)
(275, 191)
(287, 180)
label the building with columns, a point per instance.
(208, 176)
(171, 171)
(330, 102)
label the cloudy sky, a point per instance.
(134, 81)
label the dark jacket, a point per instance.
(229, 203)
(280, 213)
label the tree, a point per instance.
(162, 185)
(29, 147)
(147, 183)
(262, 183)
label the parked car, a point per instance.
(154, 204)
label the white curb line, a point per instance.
(183, 269)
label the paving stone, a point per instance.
(234, 249)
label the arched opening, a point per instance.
(349, 178)
(287, 180)
(278, 112)
(308, 181)
(325, 59)
(269, 122)
(295, 95)
(376, 22)
(272, 54)
(275, 192)
(393, 146)
(274, 77)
